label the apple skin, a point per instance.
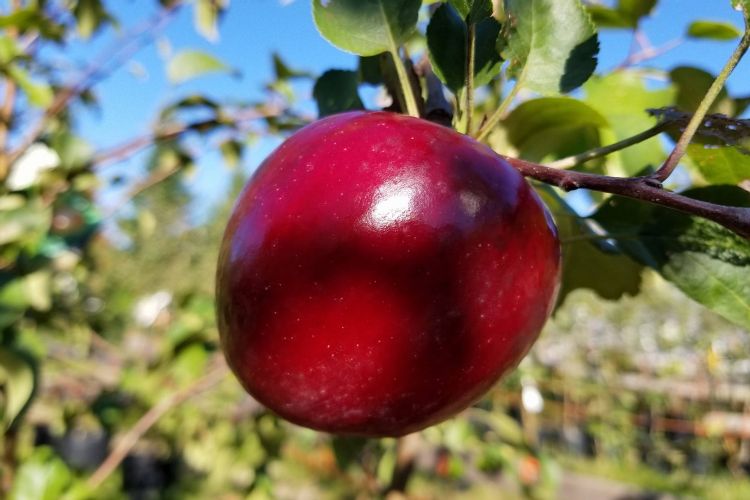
(380, 273)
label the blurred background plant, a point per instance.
(112, 382)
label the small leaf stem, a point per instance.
(407, 90)
(713, 92)
(580, 159)
(471, 35)
(499, 113)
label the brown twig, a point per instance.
(149, 182)
(642, 50)
(646, 189)
(127, 149)
(130, 438)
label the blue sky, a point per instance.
(253, 29)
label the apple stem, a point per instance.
(736, 219)
(407, 90)
(470, 63)
(500, 112)
(713, 92)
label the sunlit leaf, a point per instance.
(206, 16)
(366, 27)
(284, 72)
(9, 50)
(43, 476)
(39, 94)
(90, 15)
(625, 14)
(553, 44)
(17, 380)
(713, 30)
(190, 64)
(554, 126)
(231, 151)
(623, 98)
(720, 165)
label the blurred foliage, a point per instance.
(107, 330)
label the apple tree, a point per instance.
(110, 363)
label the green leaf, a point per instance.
(586, 258)
(370, 69)
(38, 289)
(284, 72)
(13, 301)
(447, 36)
(336, 91)
(720, 165)
(707, 262)
(33, 18)
(348, 450)
(506, 428)
(38, 94)
(28, 223)
(554, 126)
(635, 10)
(626, 14)
(713, 30)
(553, 44)
(472, 11)
(605, 17)
(366, 27)
(692, 85)
(231, 151)
(622, 98)
(190, 64)
(206, 14)
(9, 50)
(17, 380)
(73, 150)
(42, 476)
(90, 16)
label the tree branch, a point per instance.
(736, 219)
(127, 149)
(713, 92)
(109, 60)
(130, 438)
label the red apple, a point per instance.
(380, 272)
